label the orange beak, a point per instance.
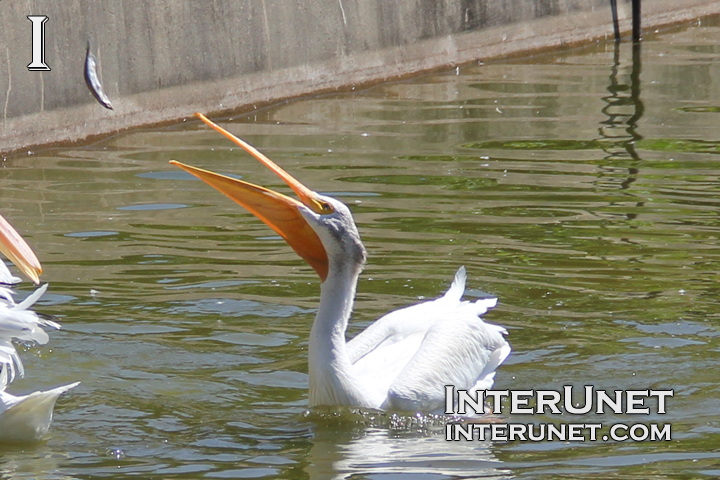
(278, 211)
(14, 247)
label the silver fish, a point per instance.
(93, 81)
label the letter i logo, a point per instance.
(38, 43)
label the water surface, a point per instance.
(579, 186)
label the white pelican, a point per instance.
(403, 361)
(25, 418)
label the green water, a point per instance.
(580, 187)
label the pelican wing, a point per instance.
(410, 323)
(408, 356)
(27, 418)
(462, 351)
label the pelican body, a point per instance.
(23, 418)
(402, 361)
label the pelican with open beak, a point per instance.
(404, 360)
(23, 418)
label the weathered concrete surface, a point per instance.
(164, 60)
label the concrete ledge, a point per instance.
(161, 61)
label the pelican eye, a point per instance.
(321, 207)
(326, 208)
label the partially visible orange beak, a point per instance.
(278, 211)
(14, 247)
(307, 197)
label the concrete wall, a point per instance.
(163, 60)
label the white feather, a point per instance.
(6, 277)
(27, 418)
(17, 322)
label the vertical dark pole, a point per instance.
(616, 26)
(637, 31)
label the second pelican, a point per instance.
(23, 418)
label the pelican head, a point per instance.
(14, 247)
(339, 236)
(319, 228)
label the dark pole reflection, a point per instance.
(624, 109)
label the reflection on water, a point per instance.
(382, 444)
(380, 452)
(577, 187)
(619, 120)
